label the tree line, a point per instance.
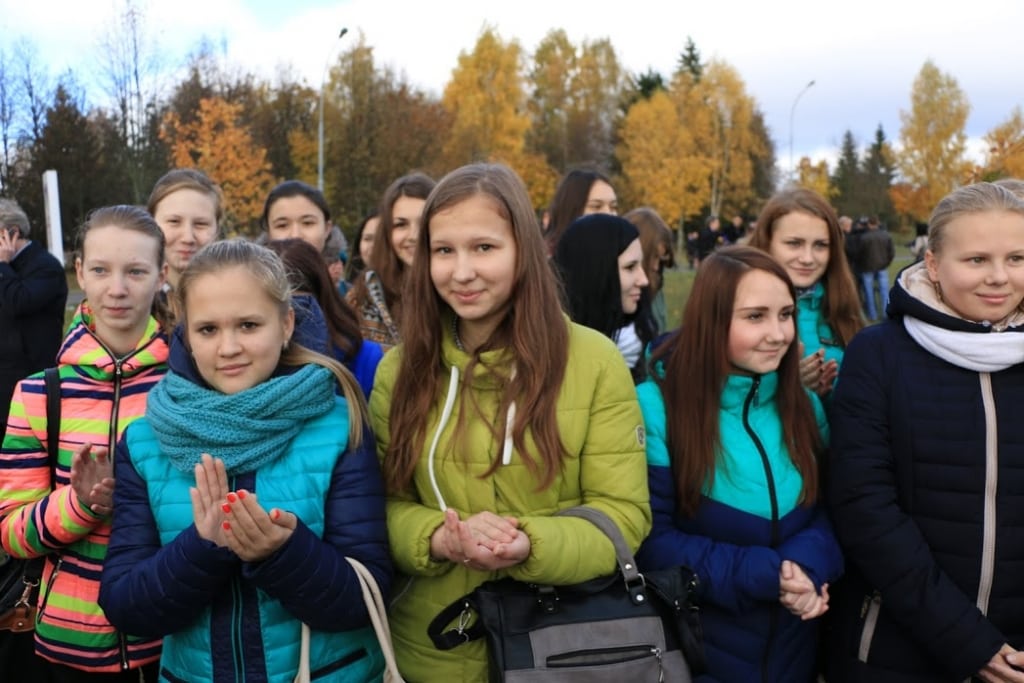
(690, 143)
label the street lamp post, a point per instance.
(320, 127)
(792, 110)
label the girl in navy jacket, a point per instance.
(732, 442)
(228, 556)
(927, 479)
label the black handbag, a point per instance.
(19, 579)
(625, 627)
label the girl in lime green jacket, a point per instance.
(495, 413)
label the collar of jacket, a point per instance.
(81, 347)
(494, 368)
(737, 388)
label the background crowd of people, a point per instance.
(237, 419)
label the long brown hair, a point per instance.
(391, 270)
(696, 366)
(841, 306)
(534, 333)
(307, 272)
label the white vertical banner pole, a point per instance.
(51, 203)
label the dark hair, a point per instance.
(653, 232)
(841, 306)
(533, 332)
(135, 219)
(587, 259)
(355, 264)
(294, 188)
(386, 264)
(696, 366)
(569, 202)
(187, 179)
(307, 272)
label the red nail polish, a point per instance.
(241, 495)
(276, 514)
(232, 498)
(227, 527)
(225, 507)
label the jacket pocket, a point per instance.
(165, 674)
(348, 659)
(869, 613)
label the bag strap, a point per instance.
(463, 608)
(51, 376)
(627, 564)
(379, 617)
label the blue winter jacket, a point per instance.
(811, 327)
(311, 331)
(745, 526)
(927, 494)
(227, 620)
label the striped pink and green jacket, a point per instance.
(100, 397)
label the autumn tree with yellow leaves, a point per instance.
(486, 99)
(224, 150)
(1005, 142)
(933, 158)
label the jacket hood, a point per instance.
(913, 295)
(83, 349)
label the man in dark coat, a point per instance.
(33, 293)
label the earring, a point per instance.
(284, 347)
(938, 289)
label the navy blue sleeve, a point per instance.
(816, 549)
(151, 590)
(732, 577)
(879, 537)
(309, 575)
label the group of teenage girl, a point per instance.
(850, 498)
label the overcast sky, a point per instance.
(863, 56)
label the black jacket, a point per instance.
(875, 251)
(33, 292)
(915, 440)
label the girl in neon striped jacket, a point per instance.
(114, 352)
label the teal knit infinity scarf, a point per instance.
(245, 430)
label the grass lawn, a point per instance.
(679, 280)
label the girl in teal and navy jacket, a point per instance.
(801, 231)
(732, 442)
(243, 491)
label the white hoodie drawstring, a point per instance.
(446, 414)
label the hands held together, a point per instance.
(92, 478)
(798, 594)
(484, 541)
(816, 373)
(234, 519)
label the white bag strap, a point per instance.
(378, 615)
(302, 676)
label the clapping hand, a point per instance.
(252, 533)
(92, 478)
(208, 495)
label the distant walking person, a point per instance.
(33, 292)
(874, 254)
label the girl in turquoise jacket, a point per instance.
(243, 491)
(732, 442)
(493, 414)
(801, 231)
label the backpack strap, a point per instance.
(34, 568)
